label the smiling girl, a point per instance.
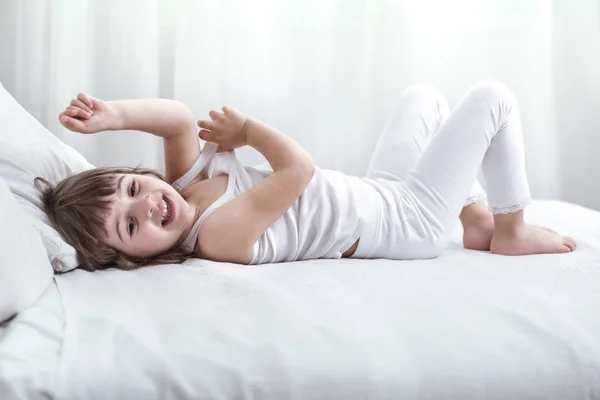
(421, 180)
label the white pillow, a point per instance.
(25, 271)
(28, 150)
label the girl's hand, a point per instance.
(86, 114)
(225, 129)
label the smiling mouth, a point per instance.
(168, 211)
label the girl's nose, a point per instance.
(147, 206)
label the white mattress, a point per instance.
(467, 325)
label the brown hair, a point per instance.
(77, 207)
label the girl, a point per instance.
(421, 177)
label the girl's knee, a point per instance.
(423, 99)
(492, 92)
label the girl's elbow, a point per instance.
(299, 174)
(308, 169)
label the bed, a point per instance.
(467, 325)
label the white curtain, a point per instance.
(326, 72)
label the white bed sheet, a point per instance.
(30, 348)
(467, 325)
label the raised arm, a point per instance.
(169, 119)
(234, 227)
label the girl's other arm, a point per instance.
(169, 119)
(232, 230)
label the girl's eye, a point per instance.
(130, 226)
(132, 189)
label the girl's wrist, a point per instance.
(115, 119)
(245, 130)
(248, 131)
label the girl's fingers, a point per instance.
(78, 112)
(79, 104)
(87, 100)
(208, 125)
(72, 124)
(205, 135)
(214, 115)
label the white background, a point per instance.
(326, 72)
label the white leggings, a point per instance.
(425, 167)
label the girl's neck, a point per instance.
(201, 195)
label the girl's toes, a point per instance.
(565, 249)
(570, 243)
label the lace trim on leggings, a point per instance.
(510, 209)
(474, 199)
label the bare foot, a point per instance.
(478, 235)
(478, 226)
(530, 239)
(546, 229)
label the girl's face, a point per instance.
(147, 216)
